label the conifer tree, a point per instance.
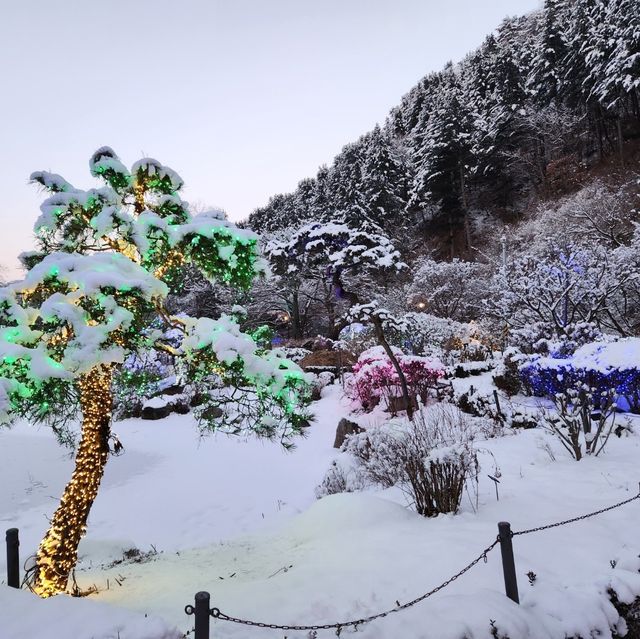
(384, 188)
(94, 294)
(345, 184)
(545, 81)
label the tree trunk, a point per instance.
(58, 551)
(295, 316)
(382, 340)
(620, 141)
(465, 209)
(452, 247)
(599, 135)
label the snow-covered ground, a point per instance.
(239, 518)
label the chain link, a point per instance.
(216, 613)
(574, 519)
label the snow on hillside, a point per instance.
(239, 519)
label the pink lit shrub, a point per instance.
(375, 379)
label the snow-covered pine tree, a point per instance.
(279, 213)
(94, 294)
(320, 205)
(443, 154)
(345, 185)
(340, 259)
(384, 187)
(622, 71)
(545, 80)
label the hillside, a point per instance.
(532, 114)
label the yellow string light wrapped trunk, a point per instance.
(58, 550)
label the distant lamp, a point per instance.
(421, 305)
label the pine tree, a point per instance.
(339, 258)
(576, 82)
(619, 84)
(321, 209)
(279, 213)
(444, 154)
(345, 185)
(94, 295)
(384, 190)
(545, 81)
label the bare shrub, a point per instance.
(339, 479)
(431, 459)
(583, 419)
(333, 482)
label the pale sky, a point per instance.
(243, 98)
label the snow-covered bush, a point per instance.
(470, 368)
(601, 366)
(583, 419)
(428, 334)
(375, 379)
(479, 404)
(473, 402)
(544, 339)
(431, 458)
(506, 376)
(474, 352)
(336, 480)
(293, 353)
(319, 381)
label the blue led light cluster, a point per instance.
(544, 380)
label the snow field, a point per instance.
(239, 519)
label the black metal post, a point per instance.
(202, 615)
(13, 558)
(508, 562)
(497, 401)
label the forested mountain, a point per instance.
(546, 97)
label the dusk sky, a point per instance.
(243, 98)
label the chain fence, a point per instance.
(216, 613)
(579, 518)
(338, 626)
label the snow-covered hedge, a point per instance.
(600, 365)
(375, 379)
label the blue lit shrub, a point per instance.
(600, 366)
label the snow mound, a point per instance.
(337, 514)
(71, 618)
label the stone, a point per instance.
(345, 428)
(155, 412)
(174, 389)
(162, 406)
